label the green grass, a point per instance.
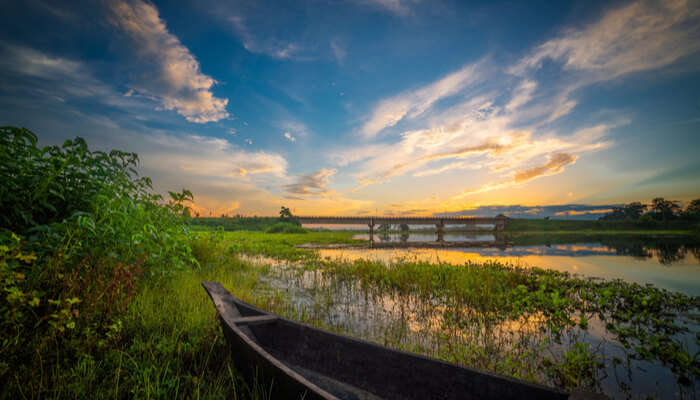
(283, 245)
(236, 223)
(611, 227)
(167, 345)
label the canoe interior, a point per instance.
(346, 368)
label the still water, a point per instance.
(672, 264)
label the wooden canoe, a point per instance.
(300, 361)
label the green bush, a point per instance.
(285, 227)
(79, 231)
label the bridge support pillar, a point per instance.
(440, 231)
(371, 233)
(500, 224)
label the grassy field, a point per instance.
(235, 223)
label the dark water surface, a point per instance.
(669, 263)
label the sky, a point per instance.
(357, 107)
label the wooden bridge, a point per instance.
(499, 222)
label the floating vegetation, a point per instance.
(543, 326)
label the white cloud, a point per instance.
(338, 51)
(231, 131)
(502, 131)
(28, 61)
(521, 95)
(555, 165)
(172, 75)
(295, 128)
(208, 158)
(289, 137)
(414, 103)
(641, 36)
(48, 77)
(274, 48)
(313, 183)
(397, 7)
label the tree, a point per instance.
(664, 209)
(635, 210)
(285, 213)
(404, 228)
(692, 210)
(632, 210)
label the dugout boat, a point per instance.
(298, 361)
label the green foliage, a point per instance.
(692, 210)
(285, 245)
(661, 211)
(285, 227)
(237, 223)
(645, 224)
(665, 210)
(79, 233)
(579, 367)
(285, 213)
(632, 211)
(384, 228)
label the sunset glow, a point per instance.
(370, 107)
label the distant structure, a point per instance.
(499, 222)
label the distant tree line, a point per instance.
(660, 209)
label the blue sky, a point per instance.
(369, 106)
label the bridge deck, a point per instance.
(401, 220)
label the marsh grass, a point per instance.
(539, 325)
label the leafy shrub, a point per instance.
(285, 227)
(79, 230)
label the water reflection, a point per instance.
(455, 331)
(665, 265)
(421, 237)
(667, 250)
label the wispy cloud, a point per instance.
(313, 183)
(503, 128)
(208, 158)
(28, 61)
(555, 165)
(640, 36)
(412, 104)
(338, 51)
(171, 74)
(396, 7)
(294, 128)
(275, 48)
(45, 77)
(289, 137)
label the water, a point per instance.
(668, 263)
(428, 237)
(425, 326)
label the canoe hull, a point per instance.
(298, 358)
